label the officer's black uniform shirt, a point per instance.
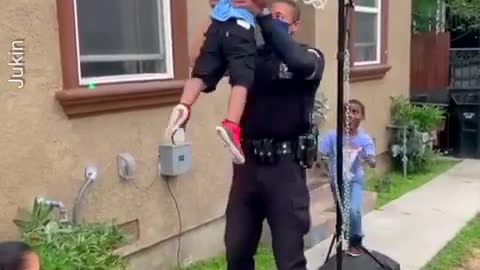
(281, 99)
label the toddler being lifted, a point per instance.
(229, 45)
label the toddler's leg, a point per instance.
(236, 103)
(239, 47)
(230, 131)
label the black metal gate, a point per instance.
(465, 68)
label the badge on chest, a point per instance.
(283, 72)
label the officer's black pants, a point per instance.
(278, 193)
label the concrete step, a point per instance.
(323, 215)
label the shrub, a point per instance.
(71, 247)
(424, 117)
(421, 122)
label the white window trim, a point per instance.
(373, 10)
(166, 54)
(92, 58)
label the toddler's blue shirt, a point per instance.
(224, 10)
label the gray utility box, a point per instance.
(175, 159)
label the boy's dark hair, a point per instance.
(359, 104)
(12, 255)
(294, 5)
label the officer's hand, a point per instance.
(178, 119)
(255, 6)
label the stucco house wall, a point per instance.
(44, 151)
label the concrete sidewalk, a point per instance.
(413, 228)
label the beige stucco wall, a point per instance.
(43, 152)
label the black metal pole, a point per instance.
(340, 121)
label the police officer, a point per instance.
(279, 143)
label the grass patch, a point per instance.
(392, 185)
(263, 261)
(458, 250)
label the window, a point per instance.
(369, 39)
(133, 42)
(136, 56)
(368, 34)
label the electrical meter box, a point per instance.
(175, 159)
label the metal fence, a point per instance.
(465, 68)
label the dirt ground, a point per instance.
(474, 263)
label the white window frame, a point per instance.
(166, 53)
(378, 11)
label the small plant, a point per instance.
(377, 181)
(40, 215)
(422, 162)
(71, 247)
(384, 184)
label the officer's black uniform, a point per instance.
(227, 45)
(272, 183)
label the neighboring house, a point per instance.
(99, 80)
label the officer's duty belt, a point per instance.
(269, 147)
(267, 151)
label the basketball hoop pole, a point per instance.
(340, 120)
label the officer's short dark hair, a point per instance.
(294, 5)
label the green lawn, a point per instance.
(263, 261)
(396, 186)
(459, 249)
